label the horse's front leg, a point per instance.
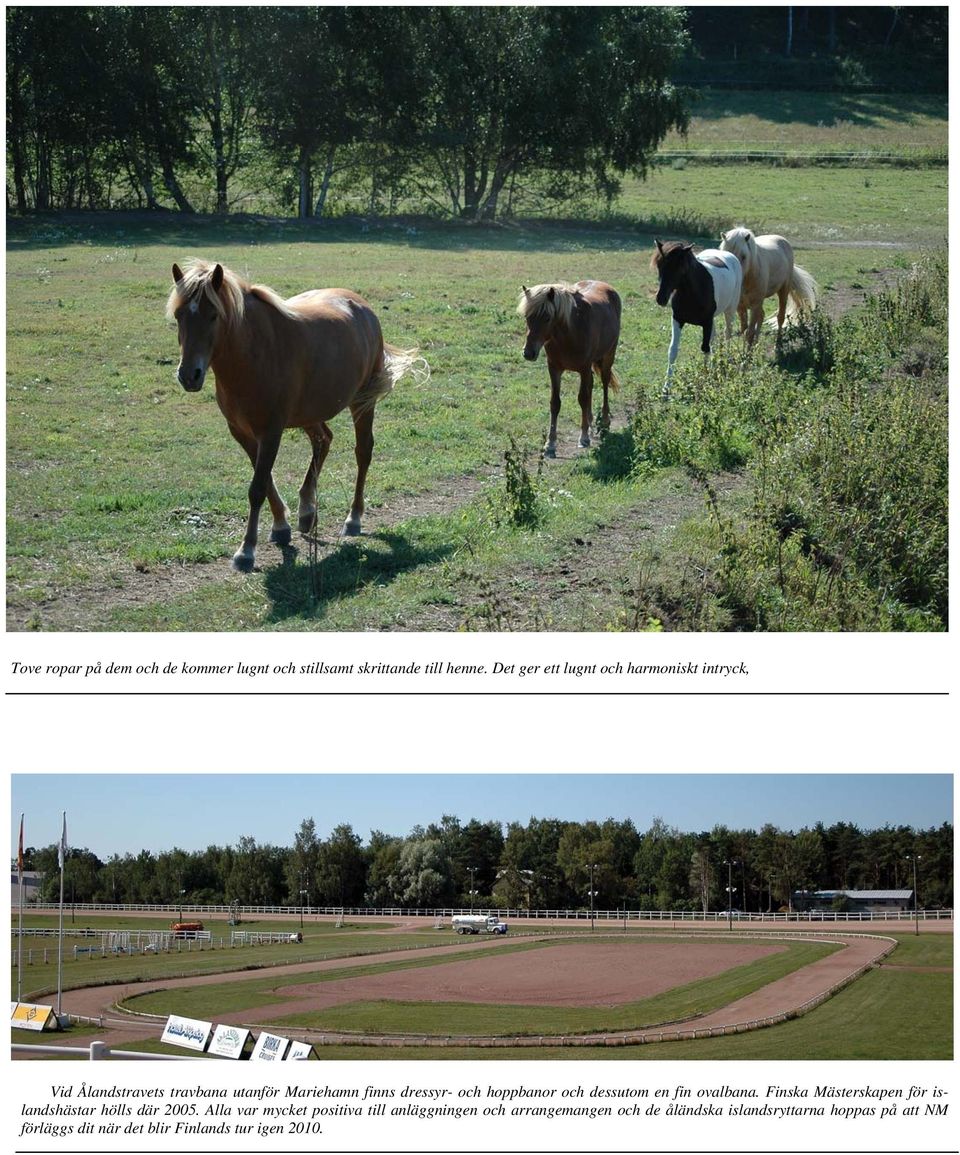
(585, 398)
(672, 354)
(260, 486)
(363, 429)
(550, 448)
(280, 534)
(707, 337)
(320, 437)
(756, 323)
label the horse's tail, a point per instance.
(804, 293)
(614, 379)
(397, 364)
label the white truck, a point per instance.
(478, 924)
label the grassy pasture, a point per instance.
(126, 496)
(816, 124)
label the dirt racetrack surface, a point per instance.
(568, 974)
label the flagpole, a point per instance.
(20, 919)
(63, 863)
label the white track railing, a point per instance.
(96, 1051)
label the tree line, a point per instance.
(471, 112)
(546, 863)
(468, 109)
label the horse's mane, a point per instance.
(229, 301)
(549, 301)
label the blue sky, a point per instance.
(121, 813)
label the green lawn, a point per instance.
(816, 123)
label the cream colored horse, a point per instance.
(768, 271)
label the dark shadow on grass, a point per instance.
(342, 572)
(613, 458)
(190, 232)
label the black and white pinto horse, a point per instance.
(697, 287)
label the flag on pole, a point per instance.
(20, 853)
(62, 850)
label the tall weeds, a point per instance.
(844, 441)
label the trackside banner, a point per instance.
(32, 1017)
(194, 1034)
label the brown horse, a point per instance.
(579, 327)
(280, 365)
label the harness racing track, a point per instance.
(575, 973)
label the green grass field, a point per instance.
(817, 124)
(126, 496)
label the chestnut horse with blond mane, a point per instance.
(284, 364)
(579, 327)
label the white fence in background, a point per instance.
(447, 912)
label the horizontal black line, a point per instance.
(477, 694)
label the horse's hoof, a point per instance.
(351, 528)
(242, 564)
(281, 537)
(549, 451)
(306, 522)
(584, 443)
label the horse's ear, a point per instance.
(216, 278)
(552, 292)
(723, 237)
(688, 248)
(177, 273)
(660, 245)
(526, 291)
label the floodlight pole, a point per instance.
(592, 867)
(472, 871)
(916, 906)
(730, 863)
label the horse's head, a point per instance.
(671, 260)
(538, 310)
(742, 243)
(548, 310)
(196, 307)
